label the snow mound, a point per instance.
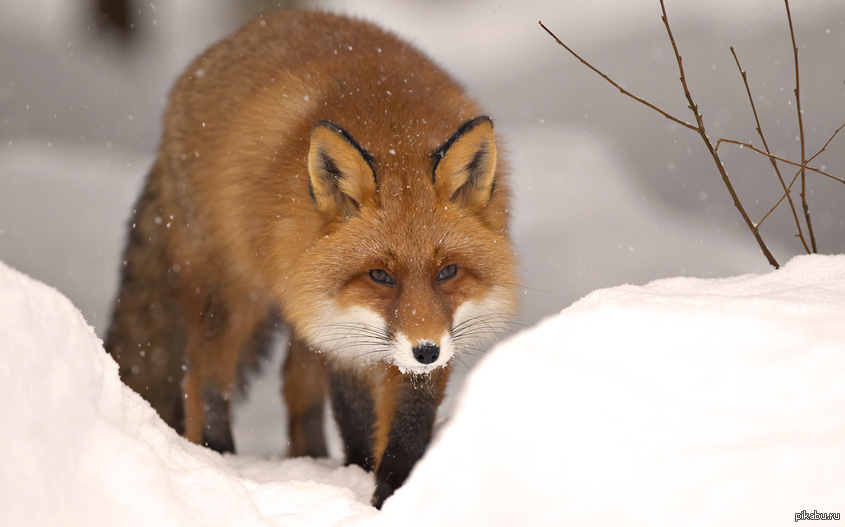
(83, 449)
(685, 401)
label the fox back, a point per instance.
(317, 168)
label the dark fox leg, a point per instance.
(219, 335)
(217, 433)
(146, 335)
(354, 411)
(304, 386)
(404, 427)
(178, 341)
(219, 386)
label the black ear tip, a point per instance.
(328, 124)
(473, 123)
(484, 119)
(468, 126)
(340, 131)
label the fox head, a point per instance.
(414, 264)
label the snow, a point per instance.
(685, 400)
(83, 449)
(711, 400)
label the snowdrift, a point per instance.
(685, 401)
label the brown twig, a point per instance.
(715, 155)
(801, 132)
(786, 192)
(617, 86)
(788, 162)
(795, 178)
(823, 148)
(714, 151)
(698, 128)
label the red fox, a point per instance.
(315, 169)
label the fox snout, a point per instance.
(421, 355)
(426, 352)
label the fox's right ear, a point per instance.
(342, 178)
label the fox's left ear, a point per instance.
(465, 167)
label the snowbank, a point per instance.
(686, 401)
(82, 449)
(683, 402)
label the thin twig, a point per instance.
(825, 147)
(703, 133)
(794, 178)
(782, 160)
(617, 86)
(786, 193)
(800, 132)
(700, 129)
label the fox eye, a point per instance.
(447, 273)
(382, 277)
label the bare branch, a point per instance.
(801, 169)
(804, 203)
(699, 128)
(715, 155)
(788, 162)
(794, 178)
(825, 146)
(617, 86)
(786, 192)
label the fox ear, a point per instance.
(465, 167)
(342, 178)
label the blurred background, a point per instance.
(606, 191)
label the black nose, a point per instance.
(426, 353)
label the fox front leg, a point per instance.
(411, 424)
(354, 412)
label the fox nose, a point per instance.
(426, 352)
